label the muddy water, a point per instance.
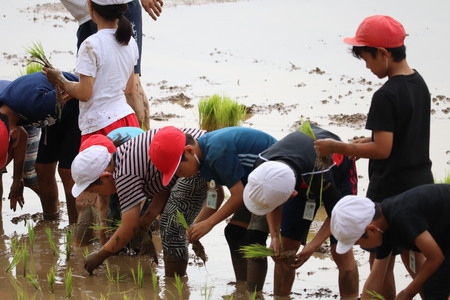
(260, 52)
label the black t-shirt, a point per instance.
(401, 106)
(426, 207)
(297, 151)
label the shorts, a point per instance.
(258, 223)
(242, 215)
(127, 121)
(187, 196)
(29, 171)
(61, 141)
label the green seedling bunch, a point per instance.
(51, 241)
(375, 295)
(33, 279)
(256, 251)
(155, 282)
(31, 236)
(68, 239)
(216, 112)
(51, 279)
(68, 282)
(179, 285)
(113, 278)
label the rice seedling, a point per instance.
(20, 293)
(51, 241)
(24, 258)
(375, 295)
(228, 297)
(155, 282)
(179, 285)
(68, 282)
(85, 252)
(34, 281)
(111, 278)
(31, 236)
(38, 56)
(253, 295)
(14, 244)
(17, 257)
(51, 279)
(107, 229)
(32, 67)
(216, 112)
(207, 291)
(68, 239)
(197, 246)
(138, 276)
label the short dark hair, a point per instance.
(189, 141)
(398, 53)
(112, 12)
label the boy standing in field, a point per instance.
(416, 220)
(399, 118)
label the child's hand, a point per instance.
(324, 147)
(53, 75)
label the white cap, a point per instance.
(111, 2)
(87, 167)
(349, 219)
(269, 185)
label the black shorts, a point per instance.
(61, 142)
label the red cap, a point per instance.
(378, 31)
(165, 151)
(4, 144)
(98, 139)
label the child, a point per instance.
(286, 187)
(225, 156)
(399, 118)
(416, 220)
(105, 64)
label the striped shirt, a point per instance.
(135, 176)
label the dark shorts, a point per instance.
(61, 141)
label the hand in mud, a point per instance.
(95, 259)
(153, 7)
(324, 147)
(16, 194)
(197, 231)
(275, 246)
(302, 257)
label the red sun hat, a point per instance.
(100, 140)
(166, 150)
(4, 144)
(378, 31)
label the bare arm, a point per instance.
(274, 222)
(81, 90)
(153, 210)
(16, 191)
(379, 148)
(235, 201)
(130, 83)
(434, 258)
(376, 277)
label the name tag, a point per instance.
(211, 195)
(310, 208)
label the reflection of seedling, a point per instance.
(216, 112)
(34, 281)
(85, 252)
(68, 242)
(154, 281)
(31, 236)
(207, 291)
(375, 295)
(14, 244)
(17, 257)
(68, 281)
(24, 258)
(51, 279)
(51, 241)
(138, 277)
(20, 293)
(179, 285)
(197, 246)
(256, 251)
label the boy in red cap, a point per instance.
(399, 118)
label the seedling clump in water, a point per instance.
(197, 247)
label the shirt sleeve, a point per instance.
(87, 60)
(130, 191)
(381, 113)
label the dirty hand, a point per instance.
(275, 246)
(302, 257)
(324, 147)
(53, 75)
(197, 231)
(95, 259)
(16, 193)
(153, 7)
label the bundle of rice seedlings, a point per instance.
(256, 251)
(216, 112)
(321, 162)
(38, 56)
(197, 246)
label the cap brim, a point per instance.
(354, 42)
(252, 207)
(78, 189)
(167, 177)
(342, 248)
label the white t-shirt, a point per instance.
(78, 9)
(111, 64)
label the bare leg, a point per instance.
(348, 273)
(68, 182)
(284, 275)
(85, 205)
(48, 190)
(388, 291)
(139, 102)
(173, 266)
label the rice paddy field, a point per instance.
(285, 60)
